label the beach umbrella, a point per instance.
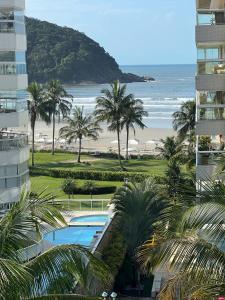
(151, 142)
(133, 142)
(41, 140)
(114, 142)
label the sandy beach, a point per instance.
(107, 139)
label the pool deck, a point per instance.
(89, 224)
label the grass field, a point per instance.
(53, 186)
(67, 160)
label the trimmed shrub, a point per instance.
(94, 175)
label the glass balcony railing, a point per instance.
(209, 159)
(12, 105)
(211, 113)
(211, 98)
(211, 143)
(12, 141)
(211, 4)
(211, 67)
(12, 69)
(211, 18)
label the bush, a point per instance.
(94, 175)
(69, 186)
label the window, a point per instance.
(208, 53)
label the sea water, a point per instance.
(173, 85)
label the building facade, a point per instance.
(210, 86)
(14, 150)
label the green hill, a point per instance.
(69, 55)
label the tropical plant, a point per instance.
(137, 206)
(191, 246)
(37, 107)
(69, 186)
(184, 121)
(171, 148)
(80, 126)
(55, 271)
(90, 187)
(57, 104)
(174, 177)
(112, 107)
(133, 117)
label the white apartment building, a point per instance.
(14, 150)
(210, 85)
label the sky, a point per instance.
(134, 32)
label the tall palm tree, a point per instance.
(37, 108)
(137, 206)
(170, 148)
(112, 107)
(58, 104)
(56, 270)
(193, 250)
(184, 121)
(80, 126)
(133, 117)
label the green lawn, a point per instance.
(53, 185)
(66, 160)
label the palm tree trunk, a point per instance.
(53, 135)
(79, 151)
(118, 139)
(127, 143)
(32, 146)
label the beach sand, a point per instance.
(104, 142)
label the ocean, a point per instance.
(174, 85)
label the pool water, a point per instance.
(87, 219)
(81, 235)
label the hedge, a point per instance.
(69, 297)
(97, 190)
(94, 175)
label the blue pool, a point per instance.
(87, 219)
(81, 235)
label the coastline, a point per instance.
(104, 142)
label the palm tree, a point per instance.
(57, 270)
(133, 116)
(171, 148)
(193, 250)
(58, 104)
(112, 107)
(37, 108)
(136, 207)
(184, 121)
(80, 126)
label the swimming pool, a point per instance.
(82, 235)
(90, 219)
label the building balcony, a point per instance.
(210, 33)
(210, 82)
(13, 82)
(13, 4)
(13, 119)
(210, 5)
(12, 41)
(213, 99)
(210, 127)
(207, 164)
(11, 141)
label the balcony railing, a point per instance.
(211, 113)
(12, 105)
(10, 141)
(12, 68)
(209, 159)
(211, 4)
(211, 67)
(211, 98)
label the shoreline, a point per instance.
(107, 140)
